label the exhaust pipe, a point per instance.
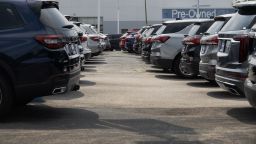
(76, 88)
(59, 90)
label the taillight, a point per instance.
(83, 38)
(161, 39)
(245, 45)
(51, 41)
(192, 40)
(210, 40)
(95, 38)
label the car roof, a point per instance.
(187, 20)
(223, 17)
(244, 3)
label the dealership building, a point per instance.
(132, 12)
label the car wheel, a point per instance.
(6, 96)
(181, 70)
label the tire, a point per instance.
(6, 96)
(178, 70)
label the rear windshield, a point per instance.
(216, 27)
(51, 17)
(194, 29)
(175, 27)
(239, 22)
(199, 28)
(156, 28)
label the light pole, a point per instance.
(118, 17)
(99, 6)
(146, 12)
(198, 9)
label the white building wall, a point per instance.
(132, 14)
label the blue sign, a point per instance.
(192, 13)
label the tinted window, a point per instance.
(10, 18)
(51, 17)
(156, 28)
(216, 27)
(239, 22)
(204, 27)
(175, 27)
(194, 29)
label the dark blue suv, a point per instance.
(38, 52)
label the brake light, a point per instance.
(51, 41)
(161, 39)
(192, 40)
(83, 38)
(211, 40)
(95, 38)
(245, 44)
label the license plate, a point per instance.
(72, 50)
(228, 46)
(222, 46)
(204, 49)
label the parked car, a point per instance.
(93, 41)
(147, 41)
(83, 47)
(190, 60)
(114, 40)
(250, 83)
(129, 41)
(209, 48)
(123, 39)
(167, 46)
(234, 44)
(138, 37)
(38, 57)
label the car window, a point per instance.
(175, 27)
(204, 27)
(239, 22)
(194, 29)
(156, 28)
(216, 27)
(10, 18)
(161, 29)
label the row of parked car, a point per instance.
(41, 52)
(220, 50)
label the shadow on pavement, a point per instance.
(203, 84)
(94, 62)
(86, 83)
(244, 115)
(41, 117)
(225, 95)
(157, 71)
(67, 96)
(174, 77)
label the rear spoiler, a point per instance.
(37, 5)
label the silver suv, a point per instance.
(209, 48)
(167, 46)
(234, 42)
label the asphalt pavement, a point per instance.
(123, 100)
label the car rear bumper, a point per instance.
(207, 71)
(57, 84)
(250, 92)
(161, 63)
(232, 85)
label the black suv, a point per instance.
(38, 52)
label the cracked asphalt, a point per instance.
(125, 101)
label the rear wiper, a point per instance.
(68, 26)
